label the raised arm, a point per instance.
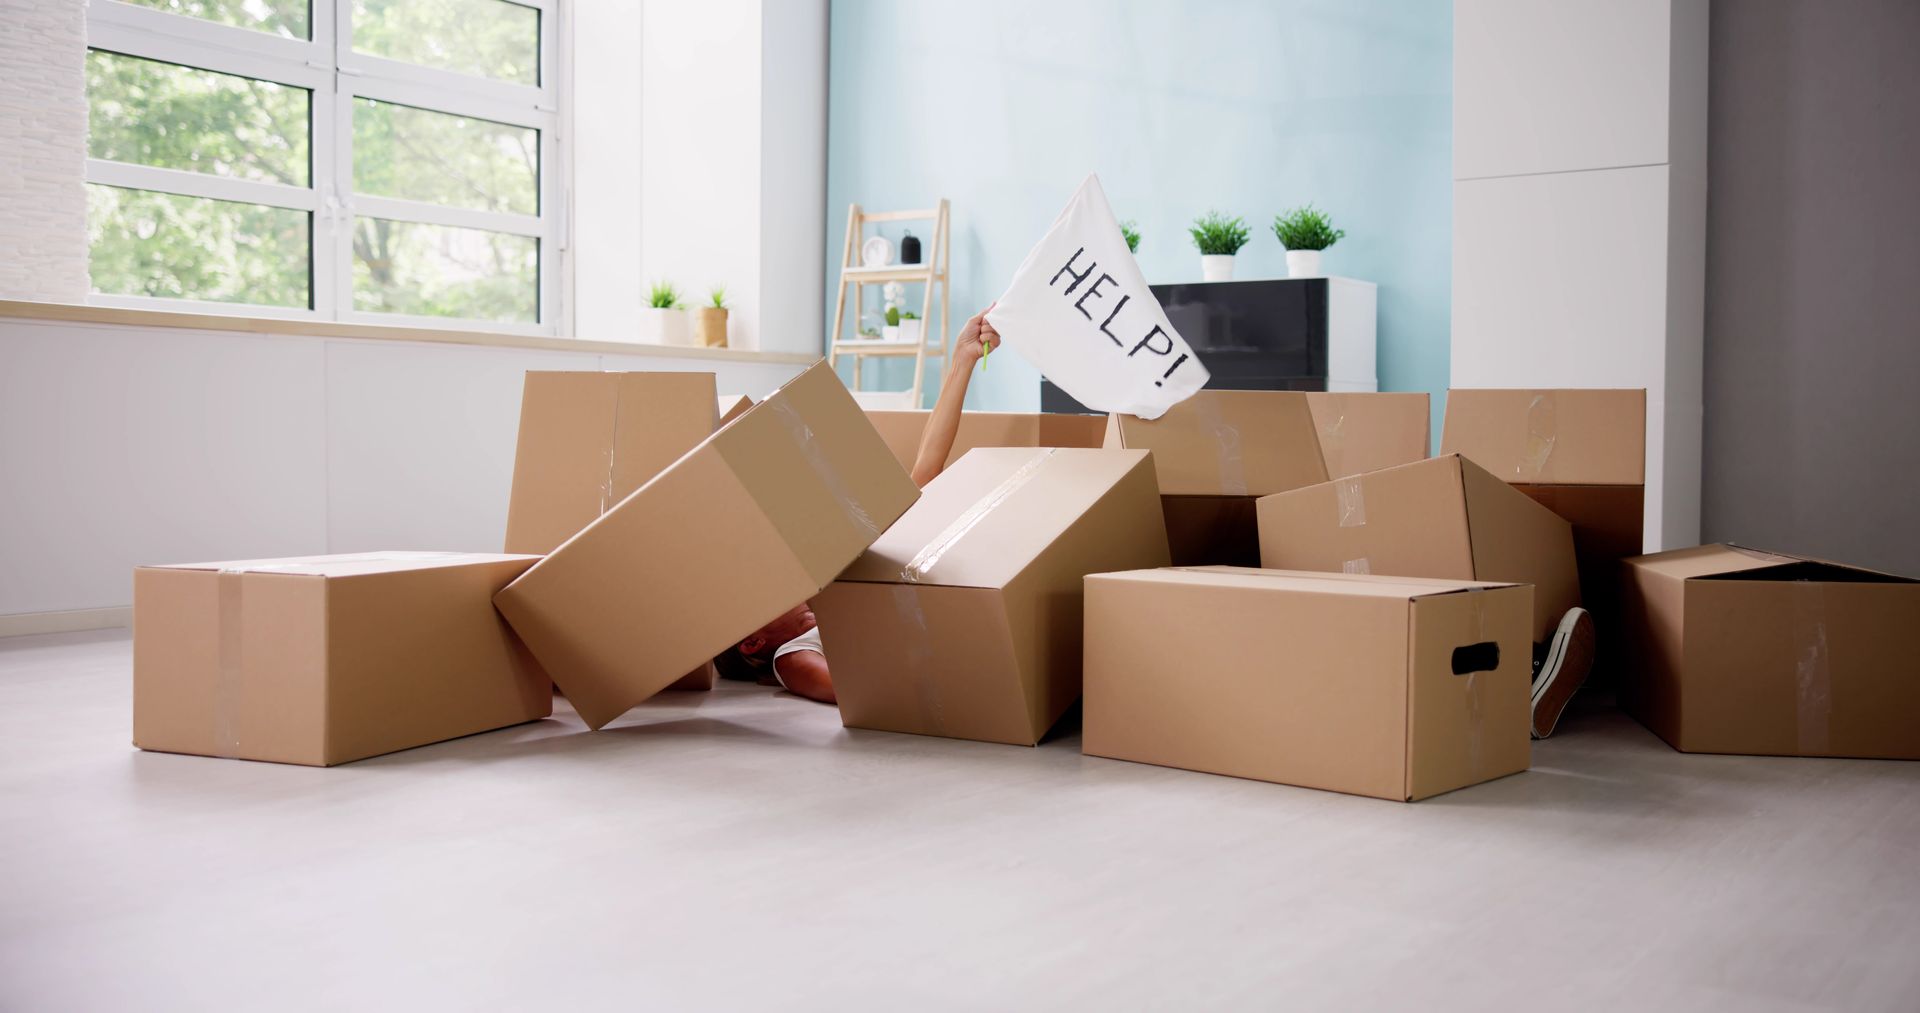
(936, 442)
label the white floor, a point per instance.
(741, 850)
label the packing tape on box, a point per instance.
(829, 475)
(229, 681)
(1361, 565)
(1813, 674)
(928, 557)
(1333, 445)
(613, 456)
(1351, 501)
(1543, 429)
(1226, 445)
(918, 659)
(1476, 686)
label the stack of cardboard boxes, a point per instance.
(1385, 649)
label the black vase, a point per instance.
(909, 249)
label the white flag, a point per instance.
(1080, 311)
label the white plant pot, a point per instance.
(1216, 267)
(910, 331)
(889, 333)
(1303, 263)
(664, 327)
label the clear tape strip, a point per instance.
(1352, 502)
(1813, 674)
(1543, 430)
(1226, 444)
(1361, 565)
(613, 454)
(1333, 445)
(829, 475)
(918, 658)
(928, 557)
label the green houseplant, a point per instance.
(1305, 231)
(710, 321)
(1130, 231)
(1218, 238)
(664, 320)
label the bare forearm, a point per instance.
(943, 425)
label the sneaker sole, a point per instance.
(1569, 661)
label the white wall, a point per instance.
(604, 193)
(793, 174)
(1579, 214)
(125, 445)
(43, 150)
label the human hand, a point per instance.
(976, 339)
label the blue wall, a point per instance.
(1248, 106)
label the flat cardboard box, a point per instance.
(327, 659)
(1739, 651)
(1581, 454)
(1391, 687)
(902, 431)
(1215, 453)
(1443, 518)
(732, 406)
(588, 440)
(756, 519)
(964, 619)
(1365, 431)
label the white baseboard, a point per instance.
(25, 623)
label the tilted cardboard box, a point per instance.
(1391, 687)
(326, 659)
(588, 440)
(732, 406)
(1443, 518)
(902, 431)
(964, 619)
(1364, 431)
(1581, 454)
(1738, 651)
(1216, 453)
(751, 522)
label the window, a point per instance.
(375, 161)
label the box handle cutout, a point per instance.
(1480, 657)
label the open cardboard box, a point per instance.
(1443, 518)
(327, 659)
(1740, 651)
(964, 619)
(1216, 453)
(754, 520)
(1362, 431)
(1397, 688)
(902, 431)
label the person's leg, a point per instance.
(1560, 666)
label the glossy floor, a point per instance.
(741, 850)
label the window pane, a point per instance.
(400, 151)
(490, 38)
(174, 117)
(161, 244)
(439, 271)
(285, 18)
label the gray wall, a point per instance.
(1812, 440)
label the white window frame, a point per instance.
(335, 75)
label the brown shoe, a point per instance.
(1568, 660)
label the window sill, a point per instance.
(79, 313)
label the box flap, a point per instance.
(1702, 560)
(987, 517)
(657, 418)
(1552, 437)
(1408, 521)
(350, 564)
(1228, 443)
(902, 429)
(1365, 431)
(1517, 539)
(1305, 581)
(731, 406)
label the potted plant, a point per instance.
(1218, 238)
(1131, 233)
(710, 321)
(891, 332)
(664, 320)
(909, 326)
(1305, 231)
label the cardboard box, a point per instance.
(1391, 687)
(731, 407)
(964, 620)
(1581, 454)
(326, 659)
(1738, 651)
(1362, 432)
(902, 431)
(588, 440)
(1216, 453)
(1443, 518)
(756, 519)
